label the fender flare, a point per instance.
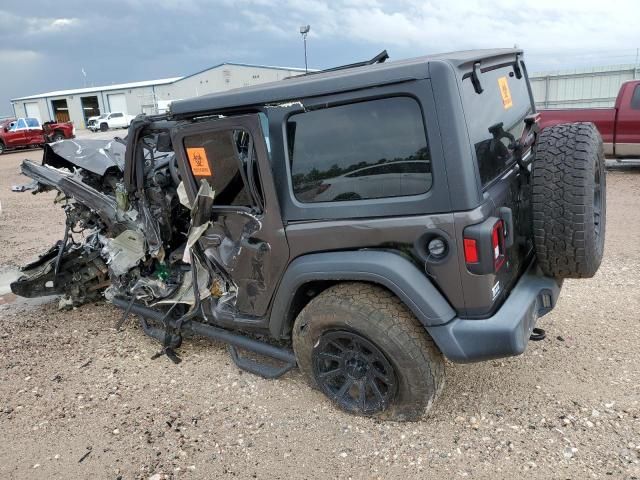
(385, 268)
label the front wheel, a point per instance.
(2, 148)
(57, 137)
(362, 348)
(104, 127)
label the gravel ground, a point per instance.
(80, 400)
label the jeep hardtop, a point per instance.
(376, 218)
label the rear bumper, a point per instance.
(507, 332)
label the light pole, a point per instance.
(304, 30)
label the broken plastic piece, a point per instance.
(125, 251)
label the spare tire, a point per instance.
(569, 200)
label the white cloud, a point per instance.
(13, 57)
(542, 27)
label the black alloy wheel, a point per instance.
(354, 373)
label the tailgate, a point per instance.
(495, 120)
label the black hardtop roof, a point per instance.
(323, 83)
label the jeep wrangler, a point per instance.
(363, 223)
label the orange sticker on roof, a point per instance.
(505, 92)
(198, 161)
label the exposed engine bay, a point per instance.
(131, 246)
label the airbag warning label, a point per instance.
(198, 161)
(505, 92)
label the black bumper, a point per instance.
(507, 332)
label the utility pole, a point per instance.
(304, 30)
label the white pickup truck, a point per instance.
(109, 120)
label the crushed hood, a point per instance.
(96, 156)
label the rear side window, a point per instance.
(32, 123)
(635, 99)
(373, 149)
(495, 115)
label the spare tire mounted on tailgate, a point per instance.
(568, 201)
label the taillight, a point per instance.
(484, 246)
(497, 244)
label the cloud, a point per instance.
(126, 40)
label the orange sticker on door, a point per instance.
(505, 92)
(198, 161)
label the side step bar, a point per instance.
(233, 340)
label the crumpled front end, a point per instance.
(130, 244)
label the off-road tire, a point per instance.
(569, 200)
(380, 317)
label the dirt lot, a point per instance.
(80, 400)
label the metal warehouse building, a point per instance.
(148, 97)
(585, 88)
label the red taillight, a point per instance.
(470, 250)
(497, 244)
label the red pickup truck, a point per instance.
(619, 126)
(28, 132)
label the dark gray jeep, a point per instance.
(377, 217)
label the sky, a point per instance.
(45, 45)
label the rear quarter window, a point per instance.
(505, 100)
(366, 150)
(635, 99)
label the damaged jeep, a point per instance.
(363, 223)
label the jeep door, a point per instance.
(245, 239)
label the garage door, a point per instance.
(117, 103)
(32, 109)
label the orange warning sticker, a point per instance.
(505, 92)
(198, 161)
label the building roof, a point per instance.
(334, 81)
(147, 83)
(80, 91)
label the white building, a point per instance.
(148, 97)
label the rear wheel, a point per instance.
(362, 348)
(569, 200)
(57, 137)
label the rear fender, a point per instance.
(385, 268)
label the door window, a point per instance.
(32, 123)
(21, 124)
(218, 157)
